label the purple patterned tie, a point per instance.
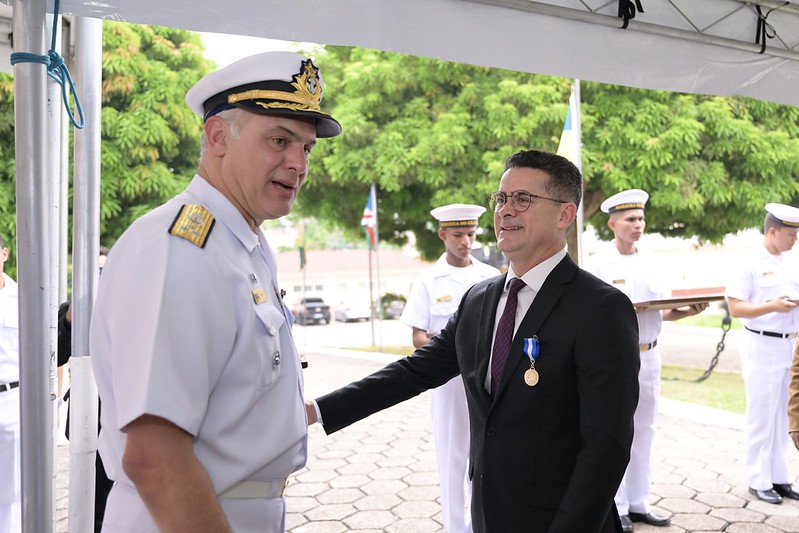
(504, 334)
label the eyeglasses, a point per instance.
(520, 200)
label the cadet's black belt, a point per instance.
(647, 347)
(8, 386)
(772, 334)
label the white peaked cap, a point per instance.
(785, 214)
(458, 215)
(624, 200)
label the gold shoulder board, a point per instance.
(193, 223)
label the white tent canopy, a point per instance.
(705, 46)
(700, 46)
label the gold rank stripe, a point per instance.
(447, 298)
(458, 223)
(622, 207)
(790, 224)
(193, 223)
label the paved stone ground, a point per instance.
(379, 475)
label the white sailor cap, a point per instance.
(624, 200)
(271, 83)
(458, 215)
(785, 214)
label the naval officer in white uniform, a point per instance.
(434, 298)
(622, 264)
(10, 509)
(764, 295)
(203, 417)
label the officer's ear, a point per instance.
(217, 134)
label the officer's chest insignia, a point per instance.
(767, 273)
(193, 223)
(258, 296)
(446, 298)
(618, 282)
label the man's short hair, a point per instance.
(566, 182)
(104, 250)
(771, 222)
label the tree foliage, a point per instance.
(429, 132)
(150, 139)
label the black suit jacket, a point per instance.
(547, 458)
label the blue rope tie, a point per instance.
(57, 70)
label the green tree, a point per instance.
(430, 132)
(150, 139)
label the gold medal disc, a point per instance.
(531, 377)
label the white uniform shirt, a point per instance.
(176, 333)
(764, 279)
(636, 276)
(437, 292)
(9, 332)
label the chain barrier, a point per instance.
(726, 323)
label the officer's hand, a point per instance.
(310, 410)
(783, 304)
(795, 438)
(698, 308)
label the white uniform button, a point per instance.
(272, 330)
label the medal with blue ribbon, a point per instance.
(532, 348)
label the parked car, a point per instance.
(311, 310)
(352, 313)
(392, 307)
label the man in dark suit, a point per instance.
(551, 385)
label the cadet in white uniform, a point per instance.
(10, 510)
(203, 416)
(434, 298)
(764, 295)
(624, 266)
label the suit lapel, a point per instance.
(539, 311)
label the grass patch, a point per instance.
(722, 390)
(710, 320)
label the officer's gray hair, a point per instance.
(234, 118)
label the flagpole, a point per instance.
(372, 321)
(379, 299)
(578, 133)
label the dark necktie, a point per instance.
(504, 334)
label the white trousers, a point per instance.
(765, 366)
(10, 509)
(633, 493)
(451, 434)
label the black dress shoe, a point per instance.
(650, 518)
(768, 495)
(786, 491)
(626, 524)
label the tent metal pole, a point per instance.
(643, 27)
(85, 252)
(33, 269)
(54, 131)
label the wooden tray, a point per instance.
(675, 303)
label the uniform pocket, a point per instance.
(11, 312)
(269, 321)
